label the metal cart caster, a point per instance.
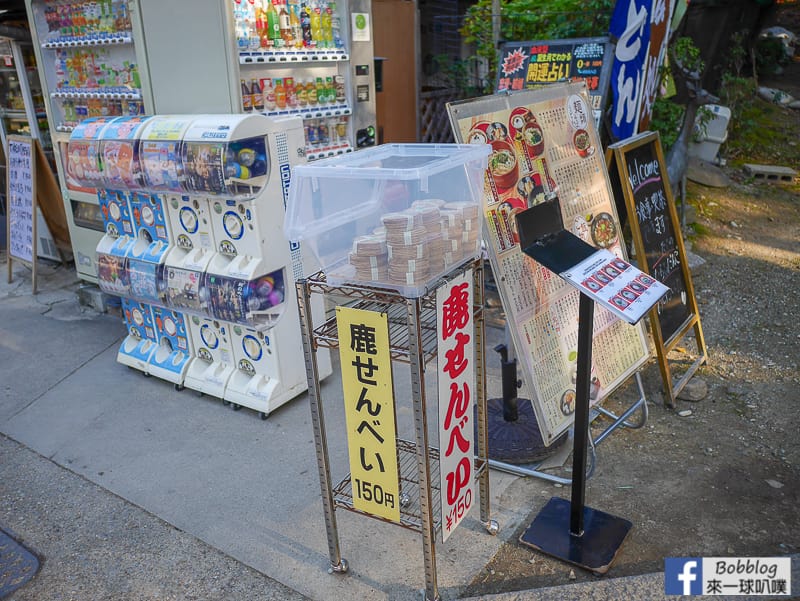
(179, 387)
(405, 500)
(263, 415)
(424, 597)
(235, 406)
(492, 527)
(226, 403)
(339, 569)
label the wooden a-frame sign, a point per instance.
(638, 172)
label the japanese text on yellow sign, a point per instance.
(369, 411)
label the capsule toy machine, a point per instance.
(141, 342)
(243, 164)
(84, 166)
(162, 174)
(170, 361)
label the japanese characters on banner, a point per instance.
(457, 386)
(544, 143)
(527, 65)
(369, 411)
(641, 28)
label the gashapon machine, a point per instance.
(85, 166)
(205, 269)
(242, 164)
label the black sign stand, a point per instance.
(569, 530)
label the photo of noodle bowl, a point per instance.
(503, 164)
(533, 138)
(583, 143)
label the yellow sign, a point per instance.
(369, 411)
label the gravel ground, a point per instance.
(718, 477)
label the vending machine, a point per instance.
(193, 208)
(107, 58)
(313, 59)
(94, 60)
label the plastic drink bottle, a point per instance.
(316, 26)
(327, 25)
(285, 27)
(275, 30)
(259, 16)
(280, 94)
(247, 98)
(305, 25)
(302, 93)
(294, 21)
(336, 25)
(291, 93)
(258, 97)
(322, 94)
(311, 93)
(268, 94)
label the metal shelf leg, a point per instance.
(413, 310)
(338, 564)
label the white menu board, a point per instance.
(20, 174)
(544, 144)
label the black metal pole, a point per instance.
(509, 379)
(582, 383)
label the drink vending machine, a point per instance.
(193, 208)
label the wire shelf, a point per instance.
(410, 510)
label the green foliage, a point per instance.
(667, 118)
(523, 20)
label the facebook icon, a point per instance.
(683, 576)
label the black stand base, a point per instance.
(518, 441)
(595, 550)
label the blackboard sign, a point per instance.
(21, 201)
(638, 173)
(527, 65)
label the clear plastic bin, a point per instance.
(395, 216)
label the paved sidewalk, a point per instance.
(129, 490)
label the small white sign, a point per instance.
(360, 28)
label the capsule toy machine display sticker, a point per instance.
(240, 301)
(457, 388)
(204, 165)
(544, 147)
(160, 154)
(83, 160)
(138, 320)
(112, 262)
(183, 289)
(369, 411)
(119, 151)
